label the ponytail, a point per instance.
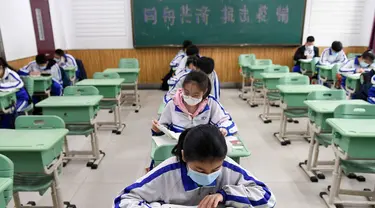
(177, 150)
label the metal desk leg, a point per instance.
(137, 104)
(119, 125)
(281, 134)
(17, 200)
(98, 154)
(266, 109)
(252, 94)
(244, 88)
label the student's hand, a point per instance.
(154, 126)
(360, 70)
(309, 57)
(223, 131)
(211, 201)
(35, 73)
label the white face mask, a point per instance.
(57, 60)
(310, 47)
(191, 101)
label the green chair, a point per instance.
(36, 182)
(6, 180)
(244, 61)
(106, 75)
(29, 85)
(128, 63)
(353, 55)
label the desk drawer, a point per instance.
(352, 84)
(109, 91)
(8, 101)
(42, 85)
(73, 114)
(295, 100)
(129, 77)
(359, 147)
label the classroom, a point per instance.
(172, 104)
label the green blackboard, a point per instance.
(217, 22)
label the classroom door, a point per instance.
(43, 27)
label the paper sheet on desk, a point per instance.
(167, 132)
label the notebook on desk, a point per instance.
(235, 142)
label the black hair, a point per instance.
(192, 50)
(201, 143)
(192, 60)
(206, 64)
(41, 59)
(336, 46)
(368, 55)
(201, 79)
(5, 64)
(310, 39)
(186, 44)
(59, 52)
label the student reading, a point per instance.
(192, 105)
(307, 51)
(199, 174)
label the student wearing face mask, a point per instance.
(191, 50)
(43, 66)
(11, 81)
(307, 51)
(200, 175)
(204, 64)
(191, 64)
(193, 105)
(65, 60)
(333, 55)
(359, 64)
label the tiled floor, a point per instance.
(128, 154)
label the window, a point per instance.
(39, 20)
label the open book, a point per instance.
(169, 133)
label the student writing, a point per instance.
(307, 51)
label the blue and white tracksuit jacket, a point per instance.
(54, 70)
(328, 58)
(371, 92)
(177, 121)
(350, 67)
(177, 59)
(69, 61)
(177, 81)
(169, 183)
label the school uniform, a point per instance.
(210, 111)
(177, 59)
(371, 91)
(53, 69)
(350, 67)
(169, 183)
(328, 57)
(11, 81)
(68, 61)
(302, 53)
(178, 80)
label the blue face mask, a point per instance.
(201, 178)
(335, 54)
(363, 64)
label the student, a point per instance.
(192, 50)
(192, 105)
(204, 64)
(307, 51)
(42, 65)
(191, 64)
(371, 91)
(359, 64)
(65, 60)
(333, 55)
(180, 55)
(200, 175)
(11, 81)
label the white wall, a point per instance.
(349, 21)
(17, 29)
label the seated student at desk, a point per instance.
(191, 50)
(204, 64)
(192, 105)
(200, 175)
(359, 64)
(180, 55)
(10, 81)
(366, 90)
(307, 51)
(42, 65)
(333, 55)
(191, 64)
(65, 60)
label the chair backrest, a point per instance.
(358, 111)
(295, 80)
(81, 91)
(353, 55)
(106, 75)
(6, 167)
(282, 69)
(128, 63)
(39, 122)
(29, 84)
(327, 95)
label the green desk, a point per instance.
(271, 80)
(37, 157)
(5, 186)
(354, 144)
(318, 112)
(72, 109)
(293, 106)
(42, 84)
(161, 108)
(162, 147)
(111, 90)
(328, 72)
(71, 73)
(7, 101)
(306, 65)
(130, 77)
(352, 82)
